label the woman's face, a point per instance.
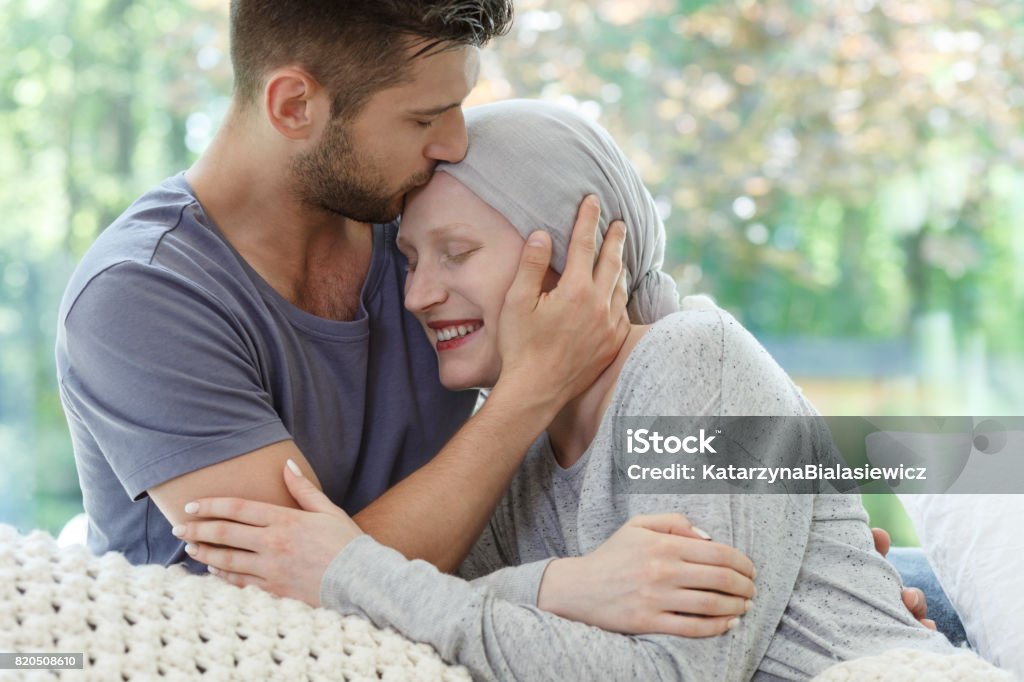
(463, 256)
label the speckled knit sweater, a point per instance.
(824, 594)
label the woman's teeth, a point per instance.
(449, 333)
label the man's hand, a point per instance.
(913, 598)
(555, 344)
(656, 574)
(282, 550)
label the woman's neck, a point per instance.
(575, 426)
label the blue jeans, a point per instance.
(916, 572)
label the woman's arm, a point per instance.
(495, 639)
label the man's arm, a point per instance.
(253, 476)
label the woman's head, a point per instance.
(528, 167)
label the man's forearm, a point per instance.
(438, 512)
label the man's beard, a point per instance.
(333, 178)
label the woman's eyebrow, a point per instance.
(438, 232)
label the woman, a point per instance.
(823, 593)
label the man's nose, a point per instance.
(451, 139)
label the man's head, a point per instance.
(369, 90)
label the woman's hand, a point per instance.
(656, 574)
(282, 550)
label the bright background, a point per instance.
(844, 176)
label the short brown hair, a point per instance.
(354, 48)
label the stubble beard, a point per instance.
(333, 178)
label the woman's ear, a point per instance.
(551, 278)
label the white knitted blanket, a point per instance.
(150, 622)
(901, 665)
(147, 622)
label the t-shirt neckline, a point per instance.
(344, 330)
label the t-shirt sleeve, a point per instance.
(163, 376)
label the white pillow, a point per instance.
(975, 545)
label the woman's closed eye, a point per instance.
(461, 256)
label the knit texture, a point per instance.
(900, 665)
(146, 622)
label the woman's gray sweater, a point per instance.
(824, 594)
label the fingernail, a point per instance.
(747, 606)
(295, 468)
(703, 533)
(536, 240)
(733, 623)
(592, 200)
(753, 574)
(178, 531)
(212, 570)
(190, 548)
(916, 599)
(191, 507)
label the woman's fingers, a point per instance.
(235, 509)
(702, 603)
(239, 579)
(725, 580)
(670, 523)
(216, 532)
(694, 626)
(717, 554)
(225, 559)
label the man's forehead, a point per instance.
(452, 73)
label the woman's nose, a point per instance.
(422, 291)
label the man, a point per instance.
(246, 312)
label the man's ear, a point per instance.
(295, 103)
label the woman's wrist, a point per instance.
(554, 595)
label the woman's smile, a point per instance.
(451, 334)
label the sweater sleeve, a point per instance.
(493, 564)
(495, 639)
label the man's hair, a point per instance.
(354, 48)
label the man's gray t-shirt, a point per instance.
(174, 354)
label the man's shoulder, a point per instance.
(164, 233)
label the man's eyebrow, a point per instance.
(436, 111)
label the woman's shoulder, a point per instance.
(704, 329)
(703, 357)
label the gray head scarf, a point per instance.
(534, 162)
